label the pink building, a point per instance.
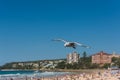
(101, 58)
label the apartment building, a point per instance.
(101, 58)
(73, 57)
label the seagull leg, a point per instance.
(74, 47)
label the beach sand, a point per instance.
(82, 75)
(90, 75)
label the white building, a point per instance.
(73, 57)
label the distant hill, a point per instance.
(38, 64)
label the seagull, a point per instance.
(71, 44)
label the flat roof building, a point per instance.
(73, 57)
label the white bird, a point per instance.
(71, 44)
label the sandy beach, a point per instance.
(92, 75)
(75, 75)
(95, 75)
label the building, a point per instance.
(101, 58)
(73, 57)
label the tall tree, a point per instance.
(61, 65)
(84, 55)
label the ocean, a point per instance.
(4, 72)
(22, 74)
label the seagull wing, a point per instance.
(60, 40)
(82, 45)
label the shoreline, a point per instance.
(81, 74)
(74, 70)
(57, 70)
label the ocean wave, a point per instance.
(30, 74)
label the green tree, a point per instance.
(114, 59)
(75, 66)
(84, 55)
(61, 65)
(106, 65)
(118, 62)
(85, 61)
(94, 66)
(7, 66)
(69, 66)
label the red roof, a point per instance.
(101, 53)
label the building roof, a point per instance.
(101, 53)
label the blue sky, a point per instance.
(28, 26)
